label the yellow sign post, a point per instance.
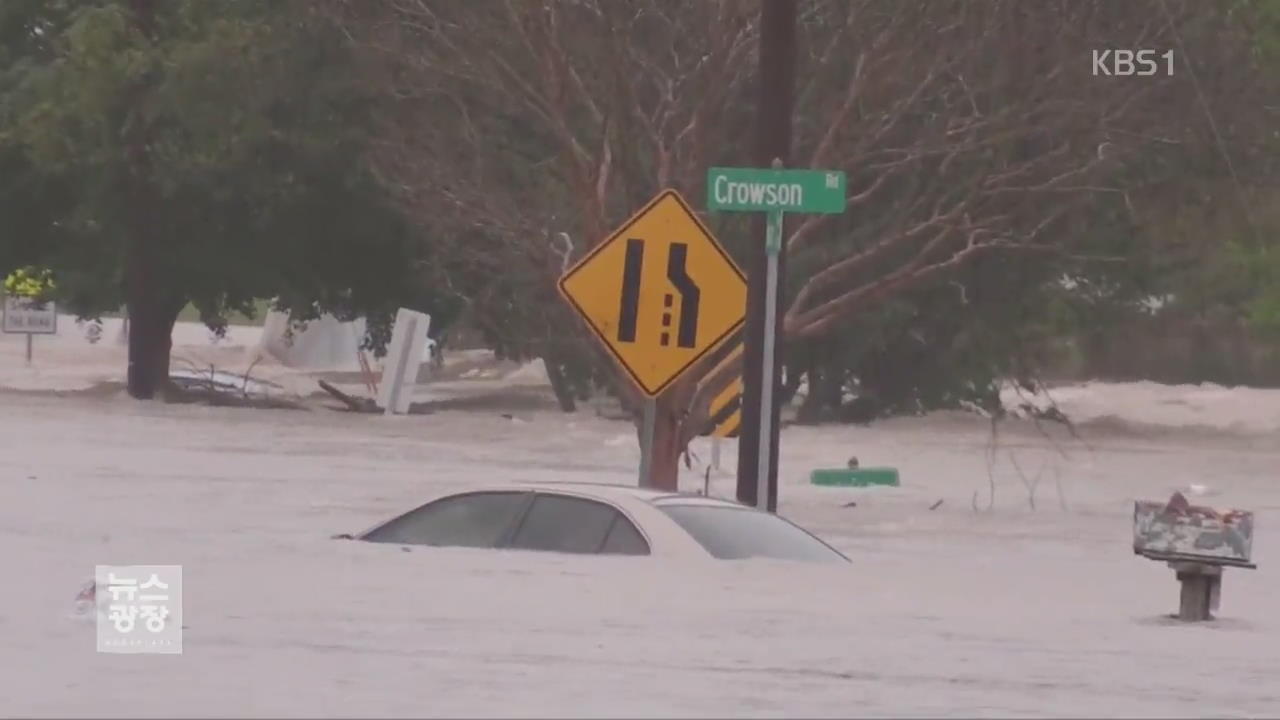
(660, 292)
(724, 419)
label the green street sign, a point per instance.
(768, 190)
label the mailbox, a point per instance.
(1182, 531)
(1197, 542)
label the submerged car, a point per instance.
(594, 519)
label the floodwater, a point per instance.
(1016, 595)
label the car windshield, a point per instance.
(731, 533)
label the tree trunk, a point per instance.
(151, 315)
(560, 385)
(826, 393)
(150, 342)
(664, 458)
(812, 371)
(790, 384)
(810, 407)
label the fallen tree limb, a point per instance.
(354, 404)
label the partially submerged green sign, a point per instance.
(855, 477)
(768, 190)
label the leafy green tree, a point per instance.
(1264, 308)
(191, 152)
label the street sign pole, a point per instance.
(29, 343)
(773, 246)
(773, 191)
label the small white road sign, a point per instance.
(24, 315)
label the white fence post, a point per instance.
(404, 358)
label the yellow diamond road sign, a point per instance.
(660, 292)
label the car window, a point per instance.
(470, 520)
(559, 523)
(731, 533)
(624, 539)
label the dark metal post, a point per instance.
(777, 59)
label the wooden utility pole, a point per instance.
(777, 61)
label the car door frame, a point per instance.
(508, 537)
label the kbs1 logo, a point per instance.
(1124, 63)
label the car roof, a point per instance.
(642, 505)
(625, 495)
(607, 491)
